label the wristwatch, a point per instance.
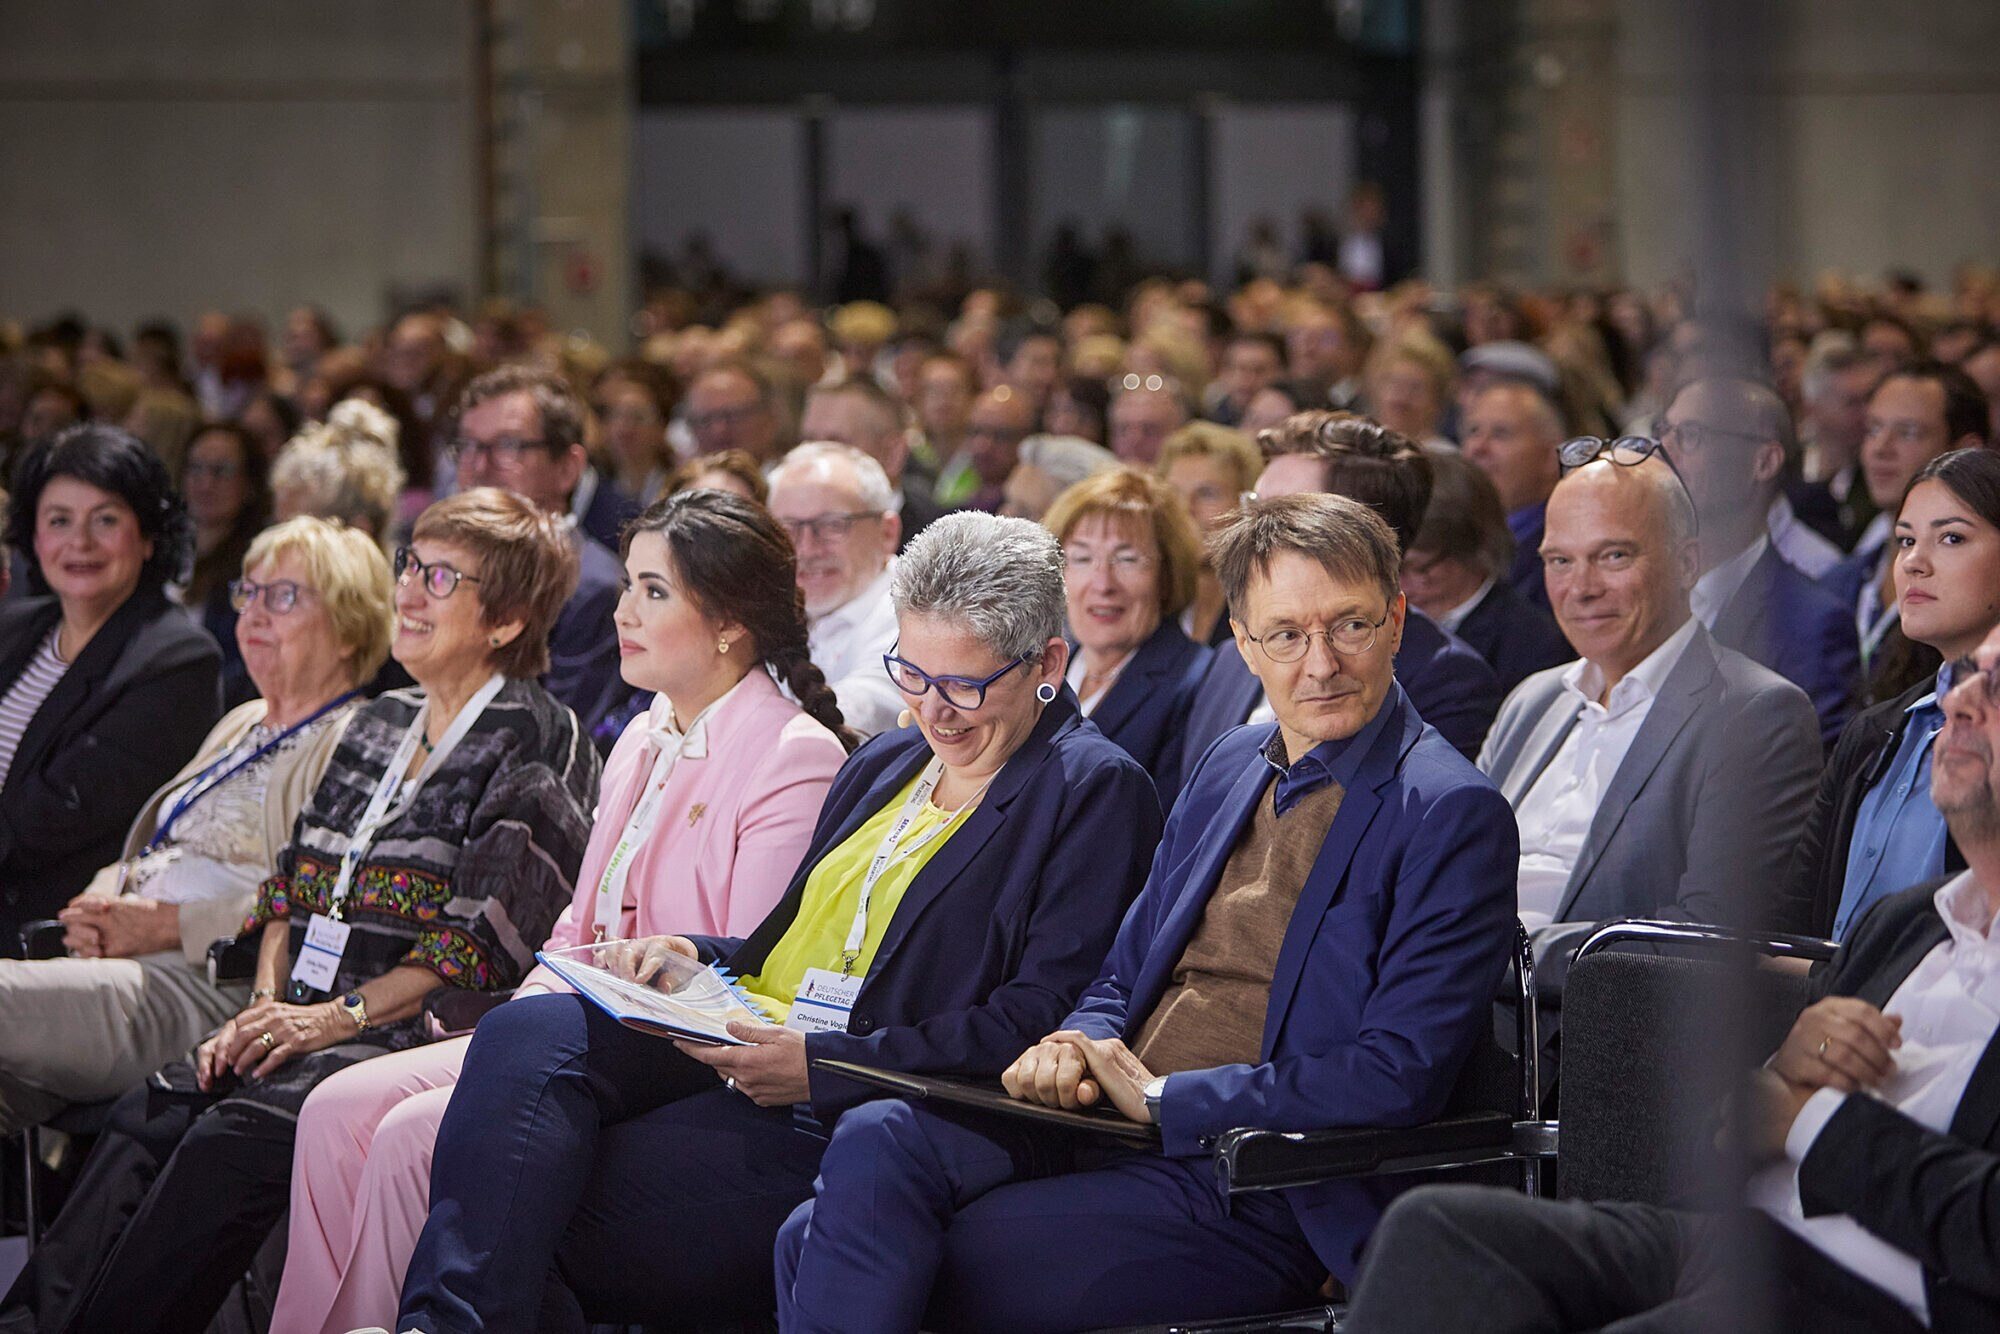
(1156, 1093)
(354, 1008)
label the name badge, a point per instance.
(319, 962)
(824, 1001)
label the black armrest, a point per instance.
(42, 940)
(456, 1010)
(1248, 1159)
(233, 959)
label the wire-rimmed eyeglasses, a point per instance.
(280, 595)
(1350, 638)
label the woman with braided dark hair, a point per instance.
(965, 879)
(707, 804)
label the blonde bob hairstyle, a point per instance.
(1132, 497)
(349, 573)
(1233, 449)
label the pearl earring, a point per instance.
(722, 646)
(904, 718)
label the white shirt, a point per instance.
(1074, 679)
(1806, 550)
(1555, 814)
(1950, 1008)
(1451, 620)
(1718, 588)
(847, 645)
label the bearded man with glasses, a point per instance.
(839, 508)
(1661, 775)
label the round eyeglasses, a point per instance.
(1350, 638)
(965, 693)
(280, 595)
(439, 579)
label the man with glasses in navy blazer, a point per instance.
(1318, 943)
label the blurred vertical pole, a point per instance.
(1728, 115)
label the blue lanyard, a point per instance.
(209, 779)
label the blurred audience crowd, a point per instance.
(390, 654)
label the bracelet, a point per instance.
(264, 993)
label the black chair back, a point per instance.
(1652, 1046)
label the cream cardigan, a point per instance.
(295, 772)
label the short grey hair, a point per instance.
(346, 468)
(1001, 578)
(871, 483)
(1067, 459)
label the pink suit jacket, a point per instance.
(732, 826)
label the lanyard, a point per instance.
(611, 885)
(210, 779)
(379, 812)
(890, 852)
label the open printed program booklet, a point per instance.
(683, 999)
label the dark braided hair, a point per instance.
(735, 563)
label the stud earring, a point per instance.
(722, 646)
(493, 640)
(1046, 693)
(904, 719)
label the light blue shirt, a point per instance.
(1899, 836)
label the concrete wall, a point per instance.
(1879, 126)
(159, 157)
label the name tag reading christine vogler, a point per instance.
(824, 1001)
(319, 961)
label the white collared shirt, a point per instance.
(1950, 1008)
(847, 645)
(1451, 620)
(1714, 591)
(1802, 548)
(1555, 813)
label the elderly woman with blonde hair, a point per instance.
(132, 989)
(437, 851)
(1213, 467)
(345, 468)
(1131, 558)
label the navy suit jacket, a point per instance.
(1782, 620)
(1145, 710)
(1449, 683)
(1526, 572)
(583, 646)
(1516, 637)
(1390, 959)
(611, 508)
(1002, 927)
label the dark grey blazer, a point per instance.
(1699, 821)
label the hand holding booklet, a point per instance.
(676, 997)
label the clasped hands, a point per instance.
(121, 926)
(239, 1044)
(1069, 1069)
(1840, 1043)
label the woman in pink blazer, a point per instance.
(707, 805)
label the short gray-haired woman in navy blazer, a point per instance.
(586, 1172)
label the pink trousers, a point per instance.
(361, 1178)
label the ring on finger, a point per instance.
(729, 1082)
(267, 1040)
(1822, 1048)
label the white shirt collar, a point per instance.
(1585, 680)
(1962, 904)
(663, 736)
(585, 492)
(1451, 620)
(1714, 590)
(849, 613)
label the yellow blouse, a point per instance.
(817, 936)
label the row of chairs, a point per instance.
(1659, 1021)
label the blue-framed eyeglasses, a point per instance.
(961, 692)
